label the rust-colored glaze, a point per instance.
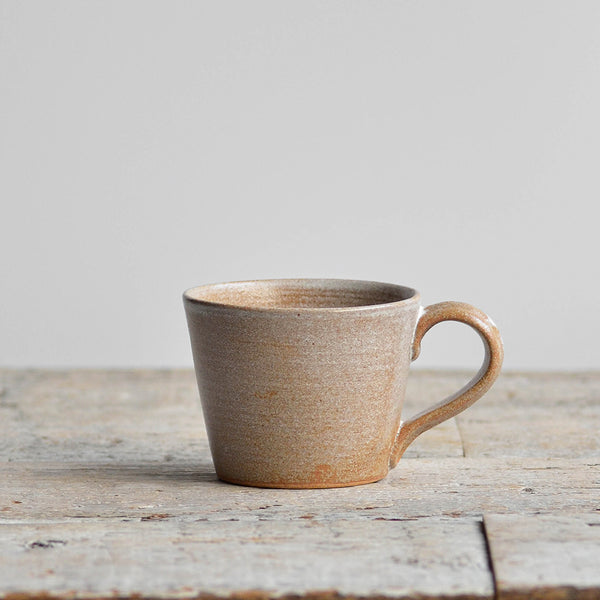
(302, 380)
(316, 483)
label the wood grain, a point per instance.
(553, 557)
(418, 487)
(164, 557)
(548, 415)
(107, 488)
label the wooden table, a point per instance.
(107, 490)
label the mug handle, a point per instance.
(467, 395)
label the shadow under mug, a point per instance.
(302, 380)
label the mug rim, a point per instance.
(413, 295)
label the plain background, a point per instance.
(146, 147)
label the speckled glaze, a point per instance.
(302, 380)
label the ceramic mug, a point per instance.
(302, 380)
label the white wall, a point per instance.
(146, 147)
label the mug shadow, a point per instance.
(191, 472)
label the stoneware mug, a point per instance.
(302, 380)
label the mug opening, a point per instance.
(294, 294)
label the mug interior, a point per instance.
(300, 293)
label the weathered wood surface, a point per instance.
(107, 488)
(556, 556)
(417, 488)
(552, 415)
(123, 415)
(273, 557)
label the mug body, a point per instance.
(301, 380)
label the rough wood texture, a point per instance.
(555, 556)
(418, 488)
(549, 416)
(171, 557)
(107, 488)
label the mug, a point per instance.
(302, 381)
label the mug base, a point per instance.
(300, 486)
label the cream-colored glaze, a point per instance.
(302, 380)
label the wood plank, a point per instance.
(417, 487)
(116, 464)
(165, 558)
(553, 557)
(122, 414)
(441, 441)
(537, 415)
(137, 432)
(102, 416)
(543, 415)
